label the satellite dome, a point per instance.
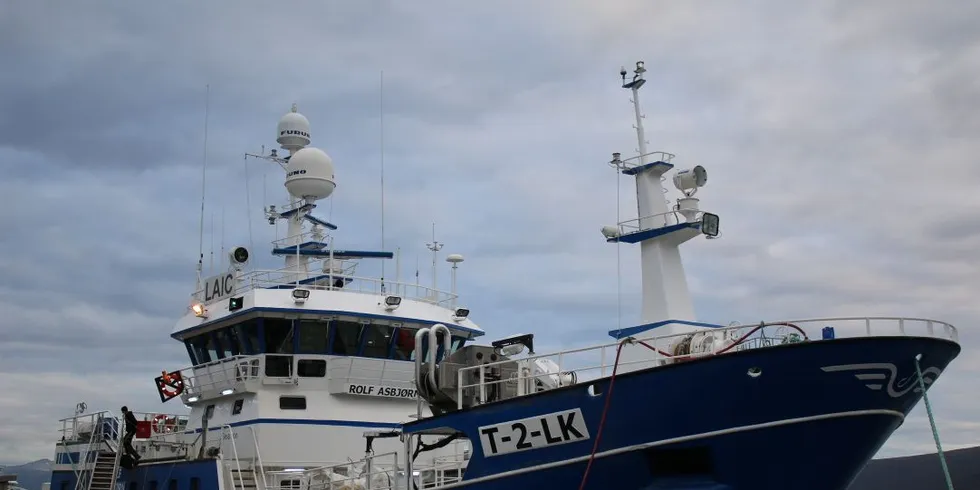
(293, 131)
(309, 174)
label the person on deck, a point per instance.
(130, 433)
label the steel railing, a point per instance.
(583, 364)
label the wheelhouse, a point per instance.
(342, 334)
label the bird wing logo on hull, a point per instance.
(884, 376)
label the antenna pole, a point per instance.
(204, 173)
(435, 247)
(381, 104)
(640, 135)
(453, 287)
(211, 260)
(398, 271)
(221, 257)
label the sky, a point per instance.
(839, 140)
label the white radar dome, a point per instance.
(309, 174)
(293, 130)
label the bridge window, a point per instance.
(404, 343)
(228, 340)
(292, 402)
(458, 343)
(278, 336)
(249, 333)
(377, 339)
(214, 350)
(311, 368)
(454, 345)
(202, 352)
(313, 336)
(346, 337)
(237, 407)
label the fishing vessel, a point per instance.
(311, 377)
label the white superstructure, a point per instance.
(296, 364)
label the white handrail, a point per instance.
(735, 337)
(268, 278)
(234, 450)
(258, 458)
(637, 160)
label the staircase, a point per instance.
(104, 444)
(105, 471)
(242, 479)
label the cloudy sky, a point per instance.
(839, 138)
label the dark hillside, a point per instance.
(922, 472)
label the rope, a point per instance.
(932, 423)
(605, 408)
(631, 340)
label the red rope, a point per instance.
(612, 381)
(605, 409)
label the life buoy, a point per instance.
(164, 424)
(170, 385)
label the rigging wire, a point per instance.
(619, 267)
(204, 174)
(248, 206)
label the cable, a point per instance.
(605, 411)
(932, 423)
(619, 267)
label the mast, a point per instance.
(659, 229)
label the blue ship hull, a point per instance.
(176, 475)
(812, 419)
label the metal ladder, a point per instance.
(105, 468)
(251, 476)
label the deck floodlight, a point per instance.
(199, 310)
(239, 255)
(300, 295)
(461, 313)
(392, 302)
(709, 224)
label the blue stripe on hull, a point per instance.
(334, 423)
(707, 398)
(142, 477)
